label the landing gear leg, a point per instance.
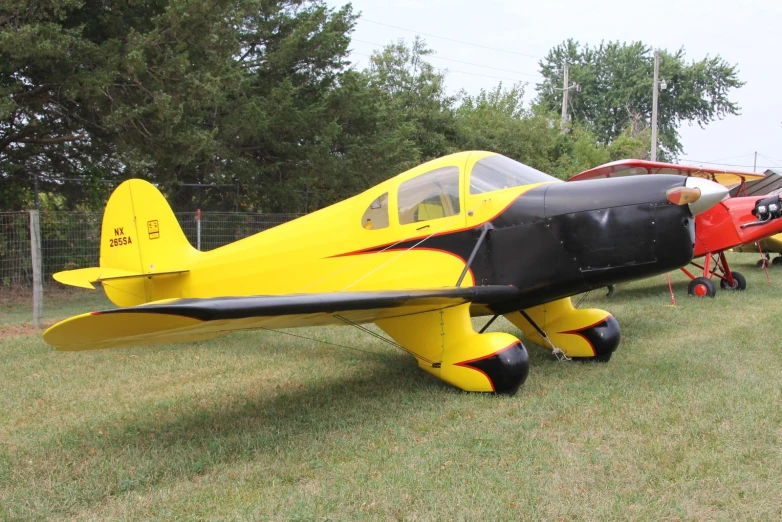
(447, 346)
(588, 334)
(729, 280)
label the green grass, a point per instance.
(684, 423)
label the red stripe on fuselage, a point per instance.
(378, 248)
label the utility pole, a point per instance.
(563, 123)
(755, 164)
(653, 154)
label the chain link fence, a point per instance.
(15, 255)
(71, 240)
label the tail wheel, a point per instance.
(777, 260)
(762, 262)
(702, 287)
(739, 282)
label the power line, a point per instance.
(716, 162)
(453, 40)
(460, 72)
(482, 75)
(770, 159)
(724, 164)
(734, 157)
(457, 61)
(572, 109)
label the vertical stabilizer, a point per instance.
(141, 235)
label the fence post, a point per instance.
(35, 256)
(198, 229)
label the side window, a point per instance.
(432, 195)
(376, 216)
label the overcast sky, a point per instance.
(746, 33)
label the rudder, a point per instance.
(141, 235)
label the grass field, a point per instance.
(684, 423)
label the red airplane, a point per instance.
(734, 221)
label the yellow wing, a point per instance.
(187, 320)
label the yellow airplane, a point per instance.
(766, 247)
(473, 233)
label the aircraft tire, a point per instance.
(777, 260)
(740, 280)
(604, 338)
(761, 262)
(701, 287)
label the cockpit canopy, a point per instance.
(499, 172)
(437, 193)
(432, 195)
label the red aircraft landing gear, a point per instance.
(714, 265)
(739, 282)
(701, 287)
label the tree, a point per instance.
(46, 65)
(616, 86)
(412, 88)
(181, 92)
(498, 121)
(280, 127)
(375, 139)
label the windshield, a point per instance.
(498, 172)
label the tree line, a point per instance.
(254, 104)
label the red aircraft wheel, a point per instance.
(701, 287)
(739, 282)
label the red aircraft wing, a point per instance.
(634, 167)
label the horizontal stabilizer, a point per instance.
(85, 277)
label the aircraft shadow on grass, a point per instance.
(256, 422)
(260, 423)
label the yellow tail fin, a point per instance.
(143, 252)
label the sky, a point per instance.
(484, 42)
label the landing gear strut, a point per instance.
(715, 265)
